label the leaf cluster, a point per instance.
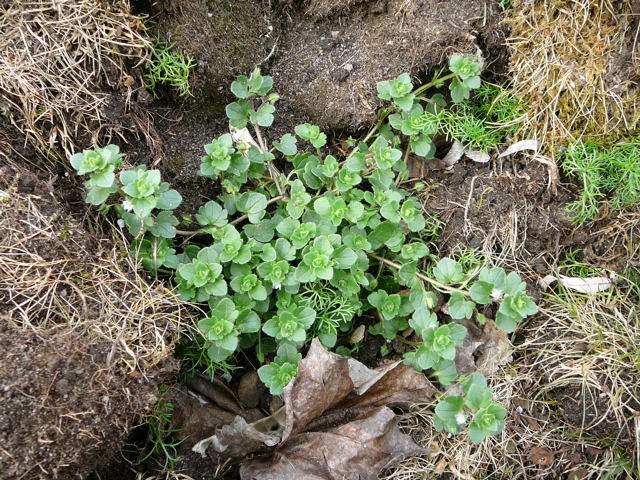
(280, 258)
(487, 417)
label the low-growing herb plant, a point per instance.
(283, 256)
(168, 66)
(603, 173)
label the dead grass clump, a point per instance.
(575, 62)
(56, 59)
(53, 273)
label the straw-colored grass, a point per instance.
(57, 58)
(575, 62)
(53, 273)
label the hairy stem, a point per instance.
(435, 283)
(273, 171)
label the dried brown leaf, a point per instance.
(484, 349)
(541, 456)
(335, 422)
(357, 450)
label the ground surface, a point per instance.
(573, 387)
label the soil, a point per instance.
(333, 53)
(62, 409)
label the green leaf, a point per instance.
(459, 92)
(211, 214)
(356, 162)
(99, 195)
(240, 87)
(382, 233)
(238, 113)
(460, 308)
(287, 144)
(449, 414)
(165, 223)
(480, 292)
(169, 200)
(448, 271)
(253, 204)
(344, 257)
(264, 115)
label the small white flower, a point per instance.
(127, 206)
(277, 286)
(120, 223)
(461, 418)
(519, 409)
(496, 293)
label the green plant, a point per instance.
(284, 367)
(168, 66)
(487, 416)
(282, 257)
(159, 432)
(612, 173)
(484, 121)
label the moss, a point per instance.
(573, 68)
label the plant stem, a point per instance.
(400, 338)
(386, 112)
(273, 171)
(269, 202)
(435, 283)
(233, 222)
(433, 83)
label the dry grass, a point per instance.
(576, 380)
(575, 62)
(53, 273)
(56, 59)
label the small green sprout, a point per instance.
(168, 66)
(277, 374)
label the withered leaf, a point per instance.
(541, 456)
(335, 422)
(355, 451)
(484, 349)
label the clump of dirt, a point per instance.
(225, 38)
(63, 409)
(503, 208)
(327, 64)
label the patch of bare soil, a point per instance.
(332, 53)
(501, 207)
(63, 409)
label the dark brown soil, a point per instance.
(502, 206)
(333, 53)
(62, 410)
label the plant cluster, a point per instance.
(169, 67)
(604, 173)
(484, 121)
(282, 257)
